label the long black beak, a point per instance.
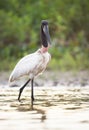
(46, 31)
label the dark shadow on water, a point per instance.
(26, 107)
(73, 108)
(84, 121)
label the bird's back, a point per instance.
(31, 65)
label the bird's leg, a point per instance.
(32, 94)
(21, 89)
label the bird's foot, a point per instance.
(19, 100)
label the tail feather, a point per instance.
(14, 76)
(11, 79)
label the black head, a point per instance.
(44, 22)
(45, 37)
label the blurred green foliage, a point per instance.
(69, 29)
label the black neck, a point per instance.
(43, 38)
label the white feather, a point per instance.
(32, 65)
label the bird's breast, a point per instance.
(45, 58)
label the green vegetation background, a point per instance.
(69, 29)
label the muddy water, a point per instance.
(55, 108)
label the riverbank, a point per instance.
(52, 78)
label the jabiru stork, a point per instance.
(35, 63)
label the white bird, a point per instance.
(35, 63)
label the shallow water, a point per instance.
(55, 108)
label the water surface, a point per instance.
(55, 108)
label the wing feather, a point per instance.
(25, 66)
